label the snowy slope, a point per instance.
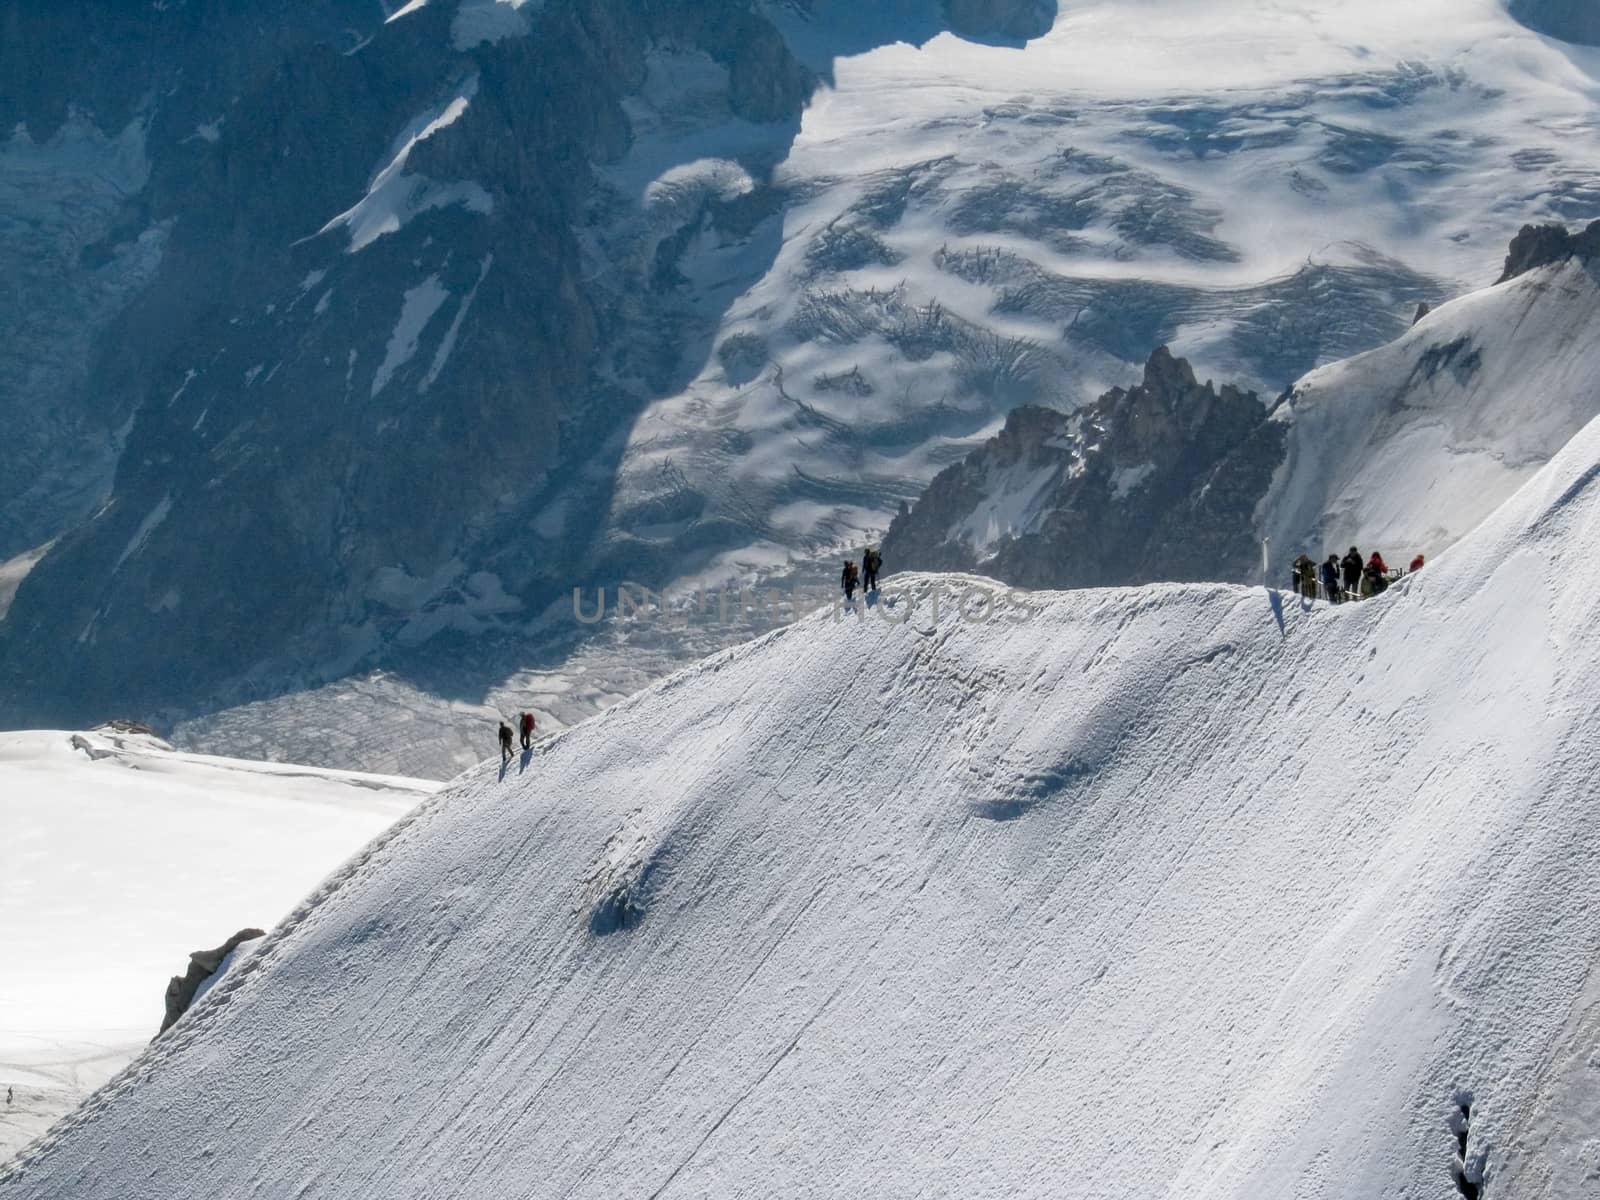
(118, 859)
(1410, 446)
(1179, 891)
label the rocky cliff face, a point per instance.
(183, 990)
(1155, 482)
(1019, 19)
(342, 332)
(1546, 245)
(1570, 20)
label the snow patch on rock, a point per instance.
(416, 310)
(480, 21)
(148, 526)
(396, 195)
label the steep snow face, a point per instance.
(1407, 448)
(1169, 892)
(396, 195)
(119, 857)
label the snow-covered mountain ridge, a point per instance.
(342, 341)
(1404, 448)
(1177, 891)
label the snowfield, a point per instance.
(117, 859)
(1175, 891)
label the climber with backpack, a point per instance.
(505, 743)
(1377, 575)
(848, 579)
(871, 562)
(1330, 579)
(1305, 577)
(527, 730)
(1352, 573)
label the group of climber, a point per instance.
(525, 723)
(1348, 578)
(866, 578)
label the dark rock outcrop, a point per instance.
(1157, 482)
(203, 965)
(1545, 245)
(124, 725)
(1575, 21)
(1019, 19)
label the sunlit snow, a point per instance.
(118, 859)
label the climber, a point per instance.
(1377, 575)
(849, 578)
(871, 561)
(505, 743)
(1352, 573)
(1330, 579)
(1305, 577)
(527, 730)
(1416, 565)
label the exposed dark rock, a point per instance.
(203, 964)
(743, 357)
(1019, 19)
(1158, 482)
(1570, 20)
(1423, 310)
(271, 464)
(1544, 245)
(123, 725)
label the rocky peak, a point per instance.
(1545, 245)
(1019, 19)
(1157, 481)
